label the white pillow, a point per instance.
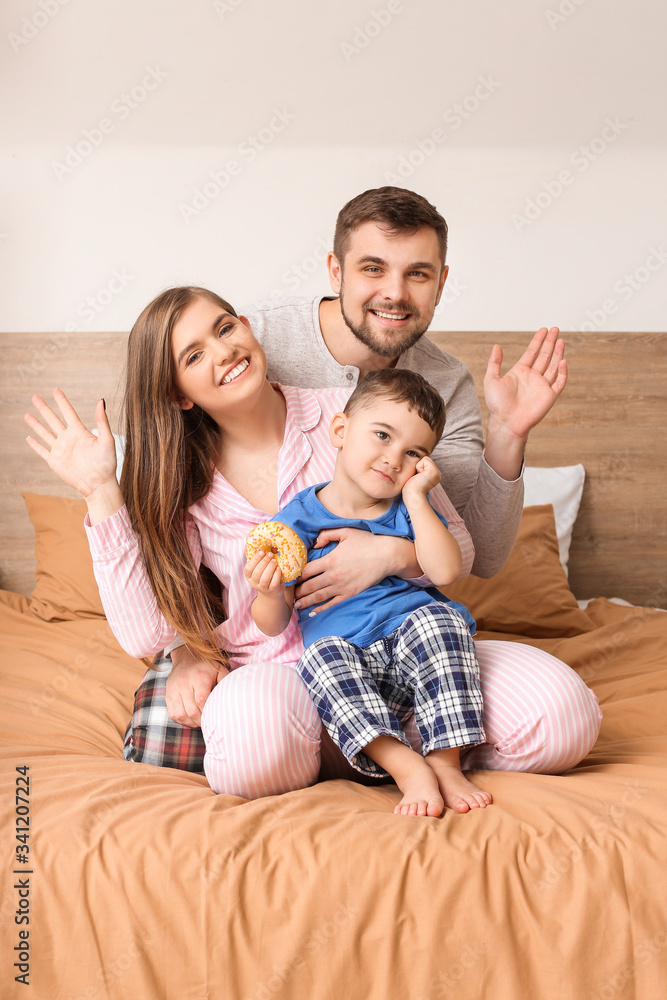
(561, 486)
(120, 453)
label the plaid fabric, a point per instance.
(152, 737)
(427, 664)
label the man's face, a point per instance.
(389, 285)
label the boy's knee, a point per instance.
(429, 619)
(312, 655)
(318, 658)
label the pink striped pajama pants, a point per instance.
(264, 737)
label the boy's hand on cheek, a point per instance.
(426, 476)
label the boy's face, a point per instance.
(379, 446)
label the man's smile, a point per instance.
(390, 317)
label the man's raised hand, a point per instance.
(518, 400)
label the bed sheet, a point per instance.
(143, 882)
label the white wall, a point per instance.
(480, 106)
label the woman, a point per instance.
(212, 448)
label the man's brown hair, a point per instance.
(395, 209)
(400, 386)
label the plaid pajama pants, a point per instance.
(151, 736)
(428, 664)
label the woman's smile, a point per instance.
(214, 350)
(235, 372)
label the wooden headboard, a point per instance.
(612, 418)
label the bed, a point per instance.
(126, 879)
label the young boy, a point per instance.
(396, 647)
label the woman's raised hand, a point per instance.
(83, 461)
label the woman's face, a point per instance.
(218, 364)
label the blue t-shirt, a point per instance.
(377, 611)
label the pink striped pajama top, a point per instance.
(217, 528)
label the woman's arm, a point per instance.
(125, 590)
(358, 561)
(88, 464)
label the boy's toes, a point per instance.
(480, 800)
(472, 800)
(422, 807)
(435, 806)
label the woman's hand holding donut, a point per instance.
(83, 461)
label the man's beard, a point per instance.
(392, 344)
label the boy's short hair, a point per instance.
(400, 386)
(396, 209)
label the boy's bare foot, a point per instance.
(428, 783)
(417, 781)
(458, 793)
(421, 792)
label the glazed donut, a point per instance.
(285, 544)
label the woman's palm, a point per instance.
(77, 456)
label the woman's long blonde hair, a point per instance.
(169, 462)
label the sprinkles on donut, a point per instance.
(283, 543)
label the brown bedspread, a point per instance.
(143, 883)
